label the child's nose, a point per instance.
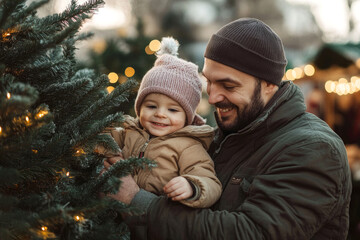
(160, 113)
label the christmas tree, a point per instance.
(50, 118)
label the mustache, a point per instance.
(224, 104)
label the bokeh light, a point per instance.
(155, 45)
(113, 77)
(148, 51)
(129, 72)
(309, 70)
(110, 89)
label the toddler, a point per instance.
(168, 131)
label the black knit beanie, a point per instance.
(250, 46)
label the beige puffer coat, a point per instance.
(182, 153)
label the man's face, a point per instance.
(237, 96)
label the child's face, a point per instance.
(161, 115)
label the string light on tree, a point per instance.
(79, 152)
(8, 95)
(7, 34)
(79, 218)
(41, 114)
(44, 233)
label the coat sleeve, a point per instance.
(119, 136)
(290, 201)
(196, 166)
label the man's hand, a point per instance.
(178, 189)
(128, 187)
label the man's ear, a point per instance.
(268, 90)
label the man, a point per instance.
(284, 172)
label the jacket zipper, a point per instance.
(222, 142)
(143, 148)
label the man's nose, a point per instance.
(215, 95)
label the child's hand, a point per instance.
(178, 189)
(109, 161)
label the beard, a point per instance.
(245, 115)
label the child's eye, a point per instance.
(173, 110)
(151, 106)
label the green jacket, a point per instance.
(284, 176)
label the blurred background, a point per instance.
(321, 39)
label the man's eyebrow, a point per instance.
(227, 80)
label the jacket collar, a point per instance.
(204, 133)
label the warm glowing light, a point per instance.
(330, 86)
(0, 130)
(340, 89)
(298, 73)
(8, 95)
(148, 51)
(35, 151)
(67, 174)
(44, 228)
(6, 35)
(79, 152)
(155, 45)
(358, 62)
(129, 72)
(309, 70)
(110, 89)
(78, 218)
(113, 77)
(27, 119)
(353, 79)
(357, 83)
(343, 80)
(290, 74)
(42, 113)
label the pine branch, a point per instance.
(7, 8)
(25, 12)
(118, 95)
(73, 13)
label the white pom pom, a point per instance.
(168, 46)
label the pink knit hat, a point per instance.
(175, 78)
